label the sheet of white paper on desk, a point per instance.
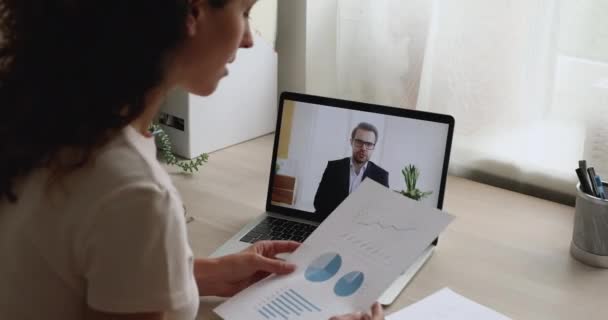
(346, 264)
(446, 305)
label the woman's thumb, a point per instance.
(274, 265)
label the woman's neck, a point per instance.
(154, 100)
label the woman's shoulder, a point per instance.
(128, 159)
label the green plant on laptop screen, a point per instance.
(411, 175)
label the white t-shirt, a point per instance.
(111, 236)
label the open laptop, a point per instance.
(325, 147)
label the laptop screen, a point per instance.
(324, 149)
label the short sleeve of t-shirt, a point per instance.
(137, 254)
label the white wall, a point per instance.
(582, 75)
(584, 29)
(381, 45)
(321, 45)
(263, 19)
(306, 43)
(291, 45)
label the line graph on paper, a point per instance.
(383, 221)
(385, 227)
(370, 228)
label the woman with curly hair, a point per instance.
(91, 226)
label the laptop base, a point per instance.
(389, 296)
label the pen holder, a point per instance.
(590, 237)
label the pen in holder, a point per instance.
(590, 237)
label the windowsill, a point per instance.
(537, 159)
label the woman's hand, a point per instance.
(228, 275)
(377, 314)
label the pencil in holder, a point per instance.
(590, 236)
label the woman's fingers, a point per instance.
(377, 312)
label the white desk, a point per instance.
(505, 250)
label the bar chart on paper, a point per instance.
(287, 304)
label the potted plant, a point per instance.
(411, 174)
(166, 152)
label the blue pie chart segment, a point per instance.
(349, 284)
(323, 268)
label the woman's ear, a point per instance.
(195, 14)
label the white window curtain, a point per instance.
(526, 80)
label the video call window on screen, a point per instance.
(325, 153)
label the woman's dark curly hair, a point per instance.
(74, 72)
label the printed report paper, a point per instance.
(347, 262)
(446, 305)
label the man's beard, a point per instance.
(357, 161)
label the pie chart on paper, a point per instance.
(323, 268)
(349, 284)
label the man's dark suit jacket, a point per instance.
(334, 185)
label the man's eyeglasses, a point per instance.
(360, 143)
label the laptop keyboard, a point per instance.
(279, 229)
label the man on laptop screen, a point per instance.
(342, 177)
(325, 152)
